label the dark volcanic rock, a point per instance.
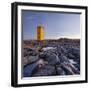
(68, 70)
(51, 57)
(55, 57)
(29, 51)
(29, 69)
(63, 58)
(69, 55)
(60, 71)
(46, 70)
(29, 59)
(75, 52)
(32, 59)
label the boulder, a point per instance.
(51, 57)
(46, 70)
(29, 69)
(63, 58)
(24, 61)
(68, 70)
(75, 52)
(59, 70)
(70, 56)
(32, 59)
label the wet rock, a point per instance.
(68, 70)
(51, 57)
(29, 69)
(30, 51)
(32, 59)
(63, 58)
(60, 71)
(49, 48)
(70, 56)
(72, 61)
(46, 70)
(75, 52)
(77, 60)
(24, 61)
(74, 69)
(54, 58)
(77, 66)
(63, 50)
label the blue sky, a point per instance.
(56, 24)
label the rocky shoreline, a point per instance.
(51, 57)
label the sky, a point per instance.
(56, 24)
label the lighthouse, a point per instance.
(40, 33)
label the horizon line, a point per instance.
(56, 39)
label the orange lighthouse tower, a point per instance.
(40, 33)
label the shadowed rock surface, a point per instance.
(51, 57)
